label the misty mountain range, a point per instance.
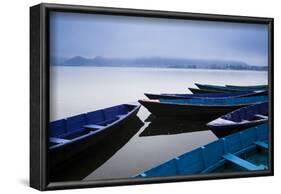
(155, 62)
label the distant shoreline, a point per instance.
(175, 63)
(163, 67)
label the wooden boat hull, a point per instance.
(204, 91)
(188, 111)
(215, 155)
(207, 91)
(159, 96)
(242, 118)
(198, 108)
(257, 87)
(62, 152)
(231, 89)
(203, 95)
(92, 158)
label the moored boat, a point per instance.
(203, 95)
(228, 89)
(72, 135)
(243, 151)
(255, 87)
(199, 108)
(205, 91)
(242, 118)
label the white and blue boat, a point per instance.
(242, 118)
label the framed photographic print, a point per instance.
(124, 96)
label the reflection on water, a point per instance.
(144, 152)
(145, 141)
(168, 126)
(95, 156)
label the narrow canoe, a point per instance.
(256, 87)
(226, 89)
(206, 91)
(242, 151)
(94, 157)
(72, 135)
(204, 95)
(242, 118)
(199, 108)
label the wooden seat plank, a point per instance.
(261, 144)
(240, 162)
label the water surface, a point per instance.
(145, 141)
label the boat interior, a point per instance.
(246, 150)
(65, 130)
(252, 113)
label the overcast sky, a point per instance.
(90, 35)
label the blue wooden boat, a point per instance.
(95, 156)
(199, 108)
(242, 118)
(254, 87)
(72, 135)
(226, 89)
(204, 91)
(204, 95)
(243, 151)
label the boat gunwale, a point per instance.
(211, 168)
(238, 124)
(252, 87)
(226, 88)
(249, 94)
(91, 133)
(200, 105)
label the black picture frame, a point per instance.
(39, 93)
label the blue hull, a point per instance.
(218, 102)
(204, 95)
(228, 89)
(213, 156)
(207, 91)
(257, 87)
(242, 118)
(198, 108)
(68, 137)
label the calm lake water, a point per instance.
(145, 141)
